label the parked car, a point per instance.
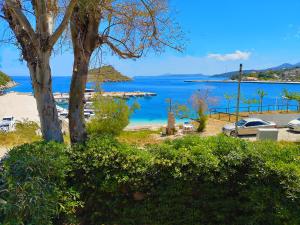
(294, 125)
(248, 126)
(7, 124)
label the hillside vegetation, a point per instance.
(4, 79)
(107, 74)
(284, 72)
(274, 75)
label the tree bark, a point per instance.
(40, 73)
(36, 51)
(85, 38)
(77, 127)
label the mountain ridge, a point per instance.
(283, 66)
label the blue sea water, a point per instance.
(154, 109)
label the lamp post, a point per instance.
(238, 99)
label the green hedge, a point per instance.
(194, 180)
(216, 180)
(33, 187)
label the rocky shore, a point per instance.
(9, 84)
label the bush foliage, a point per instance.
(33, 187)
(25, 132)
(111, 116)
(190, 181)
(217, 180)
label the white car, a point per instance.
(7, 124)
(294, 125)
(248, 126)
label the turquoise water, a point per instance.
(154, 109)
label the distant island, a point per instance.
(5, 81)
(106, 74)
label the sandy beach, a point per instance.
(19, 105)
(23, 106)
(145, 126)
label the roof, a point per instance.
(7, 117)
(252, 119)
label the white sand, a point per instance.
(19, 105)
(152, 126)
(3, 151)
(23, 106)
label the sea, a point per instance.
(154, 110)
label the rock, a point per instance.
(10, 84)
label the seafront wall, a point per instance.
(235, 81)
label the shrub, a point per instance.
(33, 185)
(202, 122)
(194, 180)
(25, 132)
(106, 173)
(217, 180)
(111, 116)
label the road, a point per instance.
(281, 120)
(284, 135)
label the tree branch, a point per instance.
(55, 36)
(16, 9)
(152, 17)
(154, 25)
(122, 54)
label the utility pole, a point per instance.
(238, 99)
(170, 106)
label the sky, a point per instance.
(219, 36)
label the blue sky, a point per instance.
(220, 35)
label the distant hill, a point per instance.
(4, 79)
(107, 74)
(6, 82)
(283, 72)
(291, 74)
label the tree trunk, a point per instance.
(42, 85)
(85, 38)
(36, 43)
(78, 132)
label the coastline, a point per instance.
(22, 106)
(235, 81)
(9, 85)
